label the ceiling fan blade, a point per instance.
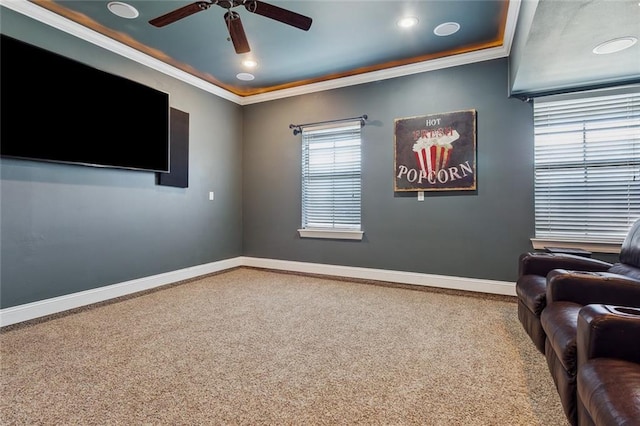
(236, 32)
(279, 14)
(180, 13)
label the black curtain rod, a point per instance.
(297, 128)
(528, 97)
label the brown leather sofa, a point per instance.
(553, 315)
(550, 298)
(531, 286)
(608, 378)
(567, 293)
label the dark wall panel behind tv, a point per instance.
(179, 152)
(56, 109)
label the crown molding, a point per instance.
(401, 71)
(59, 22)
(63, 24)
(502, 51)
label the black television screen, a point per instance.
(57, 109)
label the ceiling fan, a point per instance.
(232, 18)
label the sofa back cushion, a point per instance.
(630, 251)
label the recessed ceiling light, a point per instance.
(408, 22)
(615, 45)
(123, 10)
(245, 76)
(446, 29)
(249, 63)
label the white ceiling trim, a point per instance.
(401, 71)
(54, 20)
(404, 70)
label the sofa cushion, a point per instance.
(626, 270)
(609, 390)
(560, 323)
(531, 291)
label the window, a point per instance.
(331, 181)
(587, 167)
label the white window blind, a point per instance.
(587, 166)
(331, 176)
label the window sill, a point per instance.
(592, 246)
(334, 234)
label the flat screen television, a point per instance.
(60, 110)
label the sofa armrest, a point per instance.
(538, 263)
(584, 288)
(608, 331)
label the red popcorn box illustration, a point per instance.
(433, 153)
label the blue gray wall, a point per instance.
(462, 234)
(68, 228)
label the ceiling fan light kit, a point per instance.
(232, 18)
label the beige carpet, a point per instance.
(255, 347)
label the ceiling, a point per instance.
(557, 39)
(352, 41)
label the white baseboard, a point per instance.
(400, 277)
(29, 311)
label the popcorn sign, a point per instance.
(436, 152)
